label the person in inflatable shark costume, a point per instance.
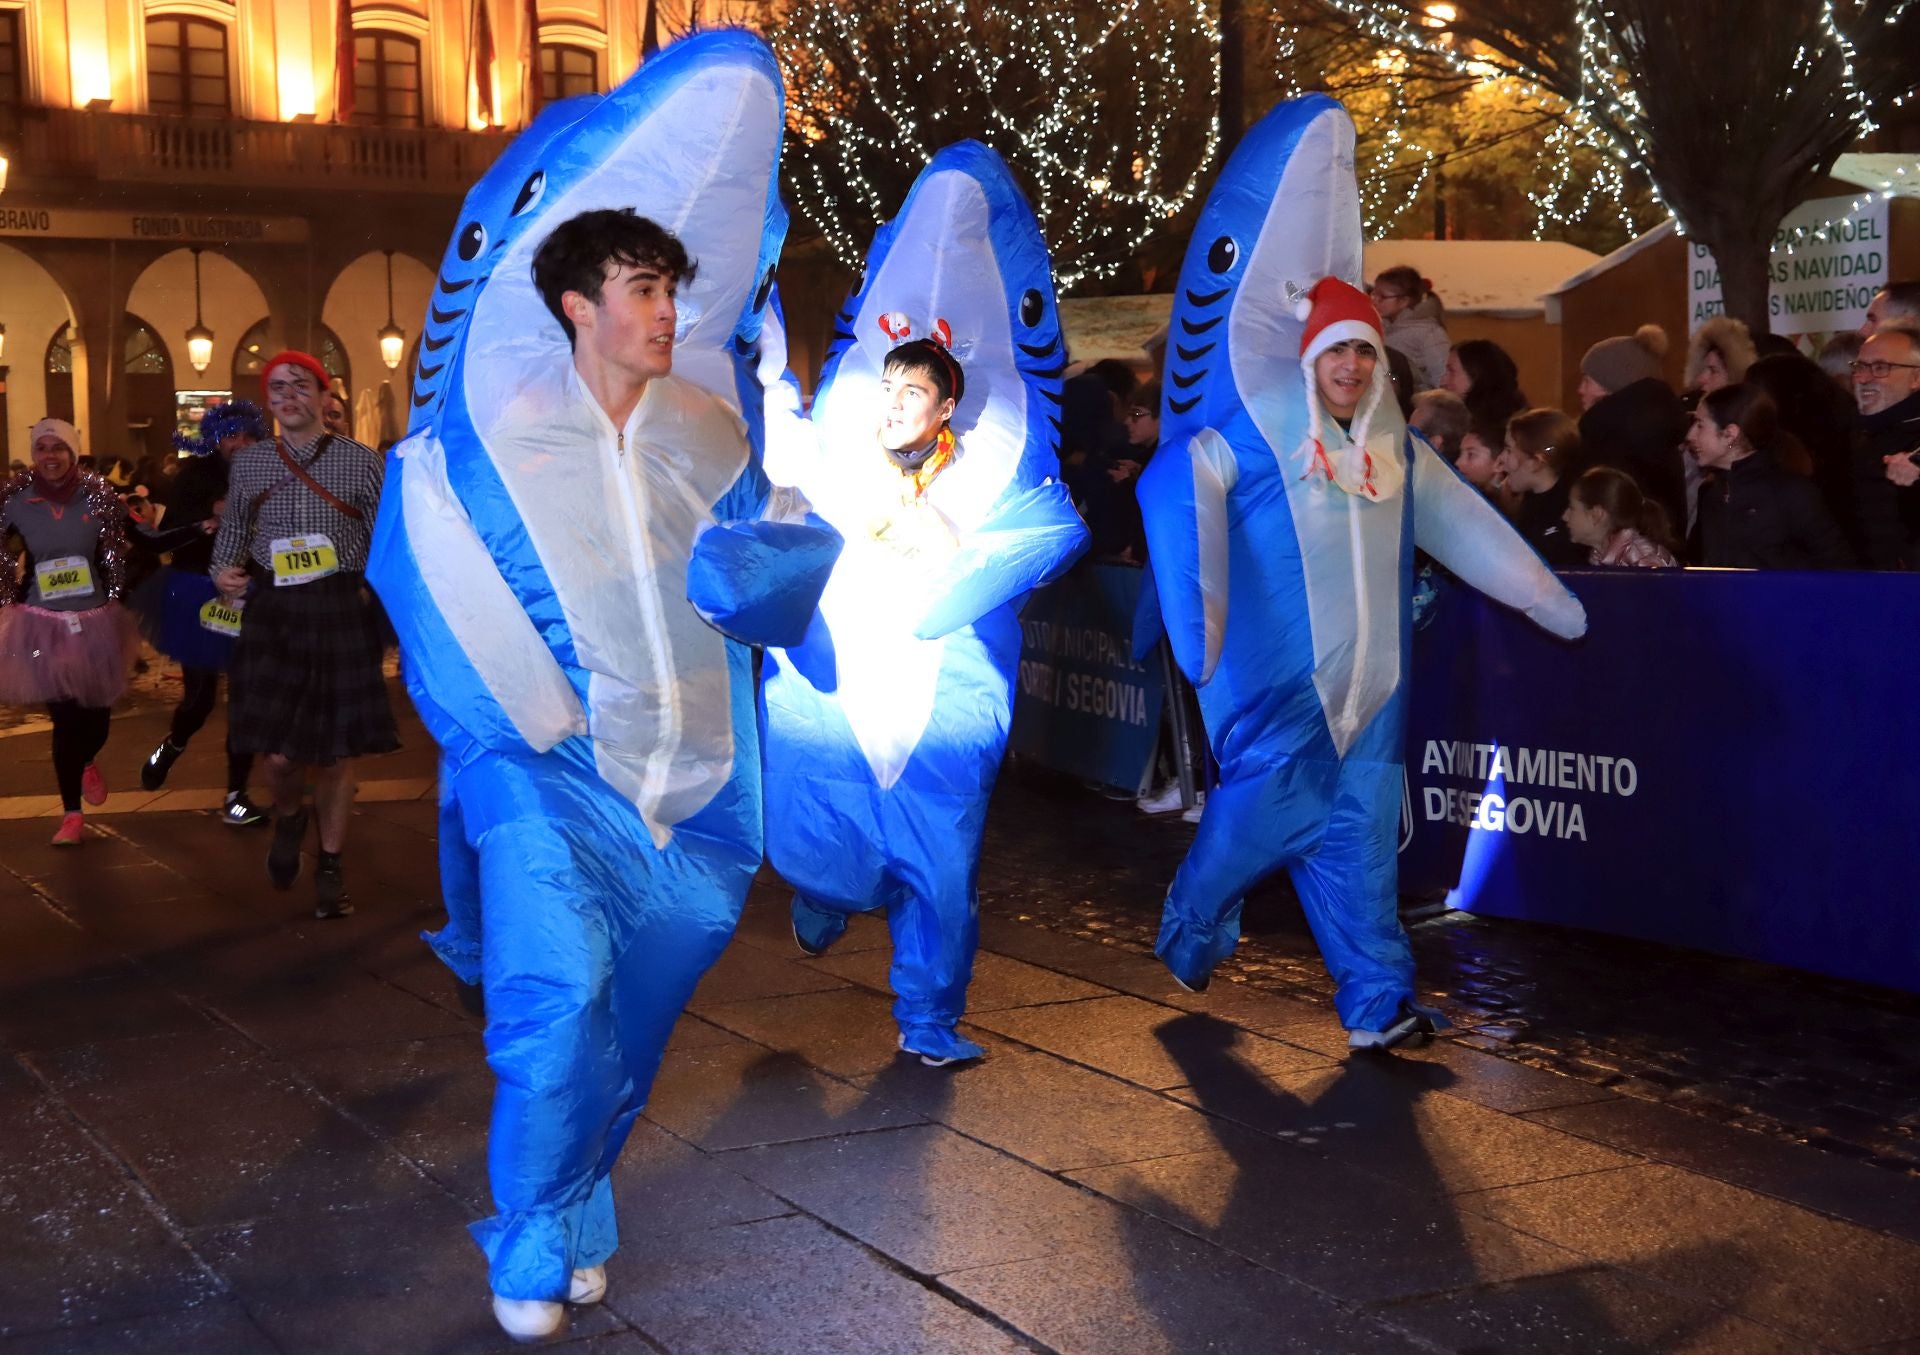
(1282, 514)
(933, 448)
(577, 470)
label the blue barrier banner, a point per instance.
(1729, 761)
(1083, 705)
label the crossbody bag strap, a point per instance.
(345, 509)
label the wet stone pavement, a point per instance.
(226, 1128)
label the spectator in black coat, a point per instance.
(1816, 421)
(1886, 387)
(1113, 516)
(1090, 429)
(1539, 461)
(1633, 419)
(1754, 514)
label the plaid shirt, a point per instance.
(351, 472)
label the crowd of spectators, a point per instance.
(1763, 457)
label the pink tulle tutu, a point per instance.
(65, 656)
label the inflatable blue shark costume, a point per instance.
(885, 728)
(1282, 551)
(601, 811)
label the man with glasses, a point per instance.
(1886, 386)
(307, 692)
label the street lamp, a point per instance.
(199, 338)
(393, 339)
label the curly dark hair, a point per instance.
(576, 257)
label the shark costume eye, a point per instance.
(473, 239)
(1221, 256)
(530, 191)
(1032, 307)
(766, 290)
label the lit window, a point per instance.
(187, 68)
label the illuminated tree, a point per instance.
(1105, 114)
(1731, 110)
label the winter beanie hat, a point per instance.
(1338, 312)
(1614, 364)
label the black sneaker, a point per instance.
(240, 812)
(330, 891)
(283, 859)
(153, 772)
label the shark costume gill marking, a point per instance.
(885, 728)
(601, 811)
(1282, 553)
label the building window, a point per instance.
(12, 58)
(386, 80)
(146, 355)
(187, 67)
(567, 71)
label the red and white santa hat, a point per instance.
(1336, 312)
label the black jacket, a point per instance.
(1639, 429)
(201, 484)
(1755, 515)
(1541, 520)
(1889, 515)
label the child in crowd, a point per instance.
(1620, 526)
(1541, 451)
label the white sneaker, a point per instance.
(1199, 803)
(589, 1286)
(1166, 802)
(529, 1319)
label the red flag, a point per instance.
(482, 50)
(530, 58)
(343, 54)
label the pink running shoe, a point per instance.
(72, 828)
(93, 786)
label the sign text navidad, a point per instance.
(1823, 286)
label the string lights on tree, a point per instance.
(1097, 110)
(1730, 119)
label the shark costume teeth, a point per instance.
(559, 587)
(1281, 545)
(885, 727)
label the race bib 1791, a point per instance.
(302, 559)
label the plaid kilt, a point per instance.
(305, 681)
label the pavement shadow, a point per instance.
(1426, 1239)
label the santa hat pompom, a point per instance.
(1303, 308)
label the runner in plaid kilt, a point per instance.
(306, 689)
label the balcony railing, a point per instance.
(60, 143)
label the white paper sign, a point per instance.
(1823, 286)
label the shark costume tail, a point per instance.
(885, 727)
(1281, 541)
(574, 603)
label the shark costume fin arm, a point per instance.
(1030, 541)
(759, 581)
(473, 652)
(1183, 502)
(1454, 523)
